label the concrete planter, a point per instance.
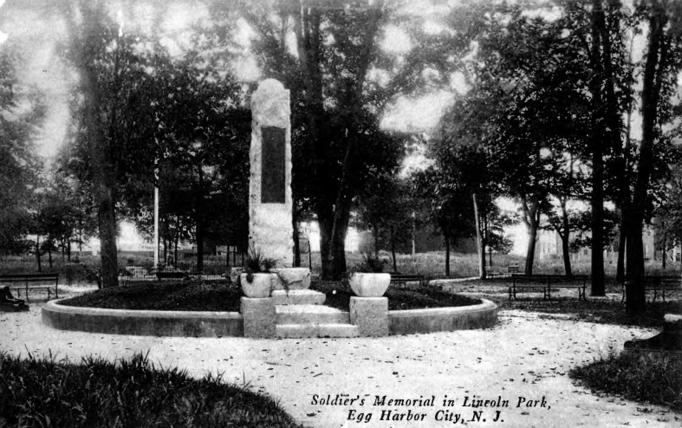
(261, 286)
(292, 279)
(369, 284)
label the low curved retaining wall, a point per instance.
(142, 322)
(431, 320)
(220, 324)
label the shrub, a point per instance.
(645, 377)
(130, 392)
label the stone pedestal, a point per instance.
(259, 317)
(370, 315)
(270, 201)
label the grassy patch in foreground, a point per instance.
(132, 393)
(654, 378)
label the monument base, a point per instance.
(370, 315)
(259, 317)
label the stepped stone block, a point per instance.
(370, 315)
(316, 330)
(297, 297)
(259, 317)
(310, 314)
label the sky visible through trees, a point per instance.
(552, 108)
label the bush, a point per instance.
(131, 392)
(645, 377)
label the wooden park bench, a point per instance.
(171, 275)
(32, 281)
(400, 280)
(545, 284)
(513, 268)
(655, 285)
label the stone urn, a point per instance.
(260, 286)
(369, 284)
(292, 279)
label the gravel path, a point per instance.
(527, 355)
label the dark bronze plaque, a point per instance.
(272, 165)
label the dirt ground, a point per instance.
(526, 358)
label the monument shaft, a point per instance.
(270, 200)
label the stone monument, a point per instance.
(270, 200)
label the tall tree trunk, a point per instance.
(635, 297)
(531, 218)
(395, 263)
(530, 250)
(375, 234)
(663, 251)
(622, 239)
(107, 236)
(297, 244)
(49, 256)
(165, 249)
(654, 72)
(597, 134)
(175, 252)
(200, 246)
(479, 240)
(565, 236)
(447, 255)
(38, 253)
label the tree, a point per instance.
(114, 122)
(341, 81)
(202, 137)
(526, 107)
(20, 164)
(386, 206)
(662, 62)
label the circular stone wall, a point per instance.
(142, 322)
(430, 320)
(220, 324)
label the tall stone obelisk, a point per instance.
(270, 201)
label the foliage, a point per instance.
(19, 175)
(648, 378)
(129, 392)
(256, 262)
(341, 82)
(386, 206)
(370, 264)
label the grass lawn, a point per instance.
(221, 296)
(648, 378)
(128, 393)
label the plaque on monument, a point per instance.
(272, 165)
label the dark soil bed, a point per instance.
(222, 296)
(338, 296)
(129, 393)
(165, 296)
